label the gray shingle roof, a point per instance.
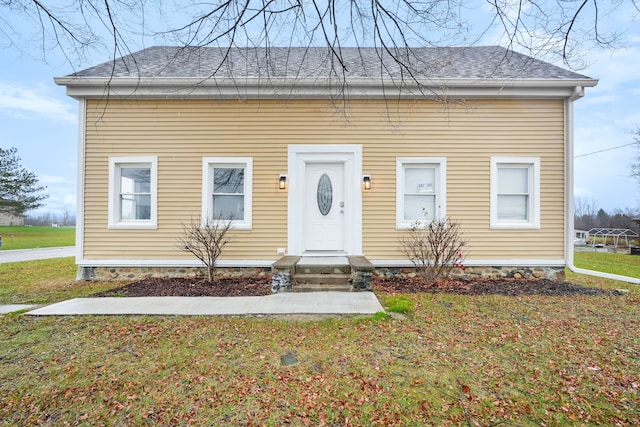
(432, 63)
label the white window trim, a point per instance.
(114, 221)
(441, 187)
(208, 164)
(534, 193)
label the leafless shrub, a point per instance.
(435, 247)
(205, 241)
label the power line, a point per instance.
(606, 149)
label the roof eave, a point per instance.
(247, 88)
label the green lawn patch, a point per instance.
(399, 304)
(27, 237)
(623, 264)
(44, 281)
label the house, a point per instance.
(9, 219)
(285, 140)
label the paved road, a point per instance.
(31, 254)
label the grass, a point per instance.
(458, 360)
(623, 264)
(26, 237)
(399, 304)
(44, 281)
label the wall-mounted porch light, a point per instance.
(366, 182)
(282, 182)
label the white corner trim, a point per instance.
(82, 125)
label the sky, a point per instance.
(39, 120)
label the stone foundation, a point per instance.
(282, 274)
(137, 273)
(550, 273)
(361, 273)
(361, 280)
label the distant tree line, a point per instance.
(587, 215)
(66, 218)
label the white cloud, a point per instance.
(615, 69)
(603, 121)
(59, 200)
(598, 99)
(62, 194)
(33, 102)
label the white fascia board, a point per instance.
(147, 263)
(317, 88)
(390, 263)
(268, 262)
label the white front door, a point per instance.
(324, 207)
(310, 231)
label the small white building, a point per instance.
(580, 237)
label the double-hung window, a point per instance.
(227, 190)
(515, 192)
(420, 190)
(133, 192)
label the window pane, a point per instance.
(135, 180)
(419, 180)
(134, 207)
(324, 194)
(230, 207)
(228, 180)
(513, 180)
(413, 208)
(513, 207)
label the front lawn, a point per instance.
(623, 264)
(453, 360)
(28, 237)
(44, 281)
(456, 361)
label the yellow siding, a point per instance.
(181, 132)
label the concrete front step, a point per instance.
(309, 269)
(308, 287)
(322, 279)
(314, 274)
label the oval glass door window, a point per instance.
(325, 194)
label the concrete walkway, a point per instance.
(4, 309)
(282, 303)
(19, 255)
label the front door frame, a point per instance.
(298, 157)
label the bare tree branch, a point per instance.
(544, 27)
